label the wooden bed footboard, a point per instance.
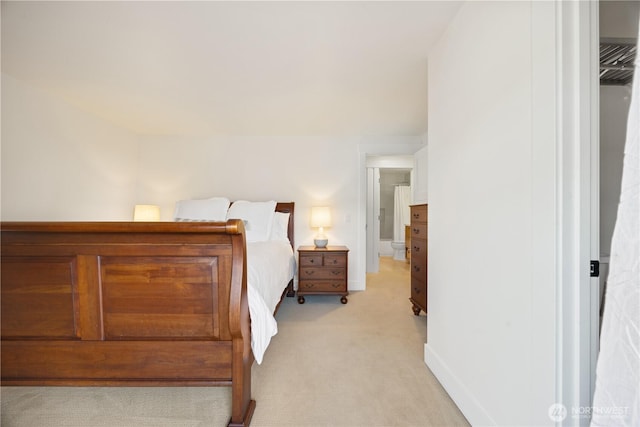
(127, 304)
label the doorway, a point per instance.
(395, 200)
(375, 152)
(383, 174)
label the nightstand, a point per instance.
(322, 271)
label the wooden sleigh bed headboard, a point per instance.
(124, 304)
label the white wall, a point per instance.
(59, 163)
(490, 339)
(420, 176)
(310, 171)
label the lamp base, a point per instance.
(320, 243)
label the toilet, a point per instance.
(398, 251)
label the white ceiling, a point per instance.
(232, 68)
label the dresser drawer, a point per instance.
(418, 287)
(322, 286)
(419, 214)
(418, 250)
(418, 231)
(310, 273)
(419, 293)
(419, 271)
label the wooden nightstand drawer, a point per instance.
(339, 260)
(323, 271)
(312, 273)
(323, 286)
(311, 260)
(323, 260)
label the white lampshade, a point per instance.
(320, 216)
(146, 213)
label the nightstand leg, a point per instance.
(300, 300)
(416, 310)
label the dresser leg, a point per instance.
(300, 300)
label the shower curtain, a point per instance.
(616, 401)
(401, 212)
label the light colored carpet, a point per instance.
(359, 364)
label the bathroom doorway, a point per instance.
(387, 176)
(395, 199)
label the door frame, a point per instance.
(373, 219)
(401, 146)
(594, 119)
(577, 233)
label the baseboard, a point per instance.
(468, 405)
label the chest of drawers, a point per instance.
(418, 258)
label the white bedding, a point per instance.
(270, 267)
(616, 401)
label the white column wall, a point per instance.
(491, 322)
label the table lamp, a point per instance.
(320, 218)
(146, 213)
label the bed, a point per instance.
(135, 304)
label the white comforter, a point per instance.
(270, 267)
(616, 401)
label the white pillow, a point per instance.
(257, 217)
(280, 227)
(214, 209)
